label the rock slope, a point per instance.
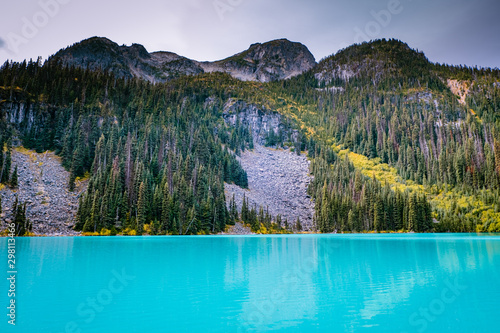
(277, 179)
(43, 184)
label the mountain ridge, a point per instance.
(264, 62)
(274, 60)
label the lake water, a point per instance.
(296, 283)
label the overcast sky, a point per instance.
(448, 31)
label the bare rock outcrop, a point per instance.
(43, 185)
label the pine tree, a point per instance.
(378, 218)
(350, 220)
(165, 211)
(21, 223)
(79, 155)
(244, 210)
(13, 178)
(298, 225)
(141, 208)
(233, 210)
(72, 178)
(271, 138)
(6, 166)
(413, 213)
(92, 219)
(497, 155)
(278, 221)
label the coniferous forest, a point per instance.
(391, 146)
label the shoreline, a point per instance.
(266, 235)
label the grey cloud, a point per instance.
(451, 31)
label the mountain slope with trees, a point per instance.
(386, 102)
(392, 147)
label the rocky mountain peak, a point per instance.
(138, 50)
(274, 60)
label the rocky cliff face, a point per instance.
(17, 112)
(259, 120)
(275, 60)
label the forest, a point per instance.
(392, 148)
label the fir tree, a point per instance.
(13, 178)
(72, 178)
(6, 166)
(298, 225)
(141, 208)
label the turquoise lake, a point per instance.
(296, 283)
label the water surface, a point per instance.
(295, 283)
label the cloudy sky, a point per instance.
(448, 31)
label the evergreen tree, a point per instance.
(165, 211)
(6, 166)
(497, 155)
(22, 225)
(72, 178)
(233, 210)
(13, 178)
(413, 212)
(245, 218)
(141, 208)
(298, 225)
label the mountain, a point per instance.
(275, 60)
(395, 142)
(126, 61)
(384, 63)
(271, 61)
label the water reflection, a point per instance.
(306, 283)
